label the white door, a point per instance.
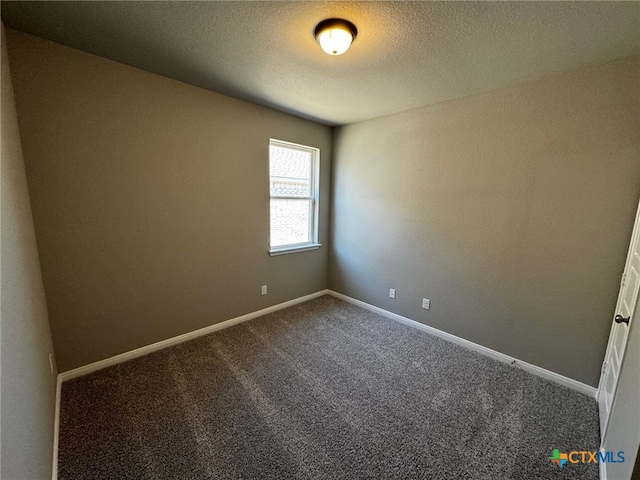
(620, 328)
(623, 431)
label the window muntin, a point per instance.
(293, 186)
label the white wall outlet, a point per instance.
(263, 290)
(392, 293)
(426, 303)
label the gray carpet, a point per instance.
(321, 390)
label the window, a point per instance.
(293, 184)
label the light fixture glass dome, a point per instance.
(335, 35)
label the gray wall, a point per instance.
(150, 200)
(511, 210)
(28, 386)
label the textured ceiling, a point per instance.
(407, 54)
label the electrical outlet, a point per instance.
(426, 303)
(392, 293)
(263, 290)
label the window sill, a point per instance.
(300, 248)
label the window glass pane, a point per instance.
(289, 163)
(289, 221)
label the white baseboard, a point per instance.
(139, 352)
(539, 371)
(56, 430)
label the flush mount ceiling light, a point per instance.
(335, 35)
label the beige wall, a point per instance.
(510, 210)
(150, 200)
(28, 386)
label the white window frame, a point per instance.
(313, 204)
